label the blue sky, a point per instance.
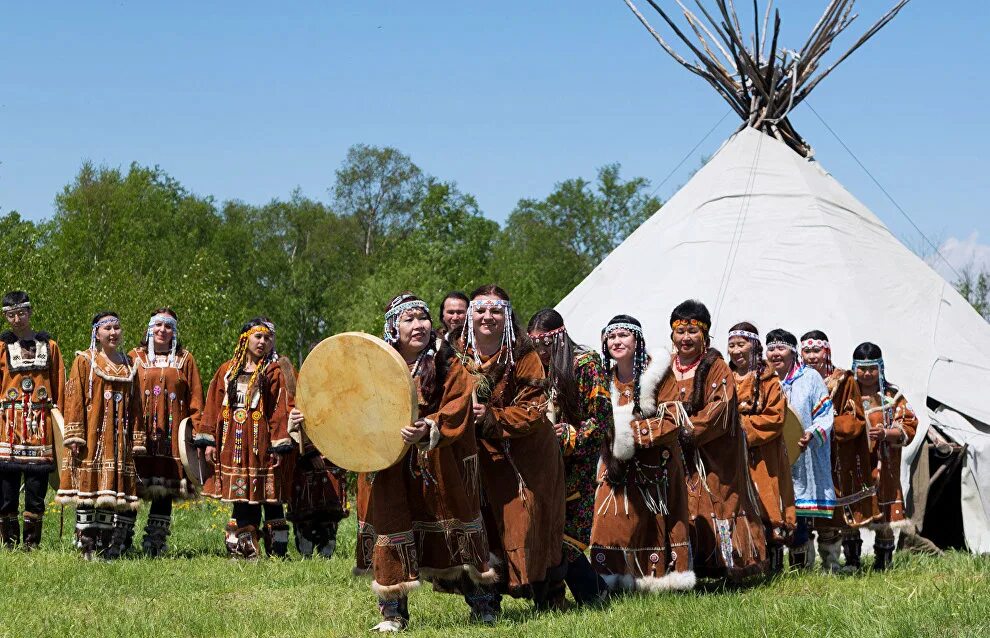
(249, 100)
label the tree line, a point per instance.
(133, 240)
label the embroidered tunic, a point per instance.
(727, 534)
(102, 412)
(886, 457)
(246, 435)
(640, 537)
(522, 473)
(32, 382)
(769, 466)
(170, 393)
(807, 395)
(581, 445)
(852, 478)
(422, 516)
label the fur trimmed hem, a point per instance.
(489, 577)
(619, 582)
(650, 381)
(69, 440)
(433, 439)
(905, 524)
(394, 592)
(674, 581)
(623, 444)
(156, 491)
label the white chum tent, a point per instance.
(762, 234)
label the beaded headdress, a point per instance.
(17, 306)
(809, 344)
(169, 321)
(508, 334)
(548, 337)
(402, 303)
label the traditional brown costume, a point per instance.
(641, 538)
(248, 433)
(762, 409)
(32, 382)
(102, 410)
(171, 391)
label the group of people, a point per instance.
(535, 465)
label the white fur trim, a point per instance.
(619, 582)
(623, 444)
(433, 439)
(453, 573)
(394, 592)
(493, 560)
(650, 381)
(674, 581)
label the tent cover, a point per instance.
(761, 234)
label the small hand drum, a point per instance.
(58, 446)
(793, 431)
(198, 469)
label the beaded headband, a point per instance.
(781, 344)
(389, 332)
(621, 325)
(547, 337)
(677, 323)
(508, 334)
(746, 334)
(808, 344)
(169, 321)
(255, 329)
(17, 306)
(865, 363)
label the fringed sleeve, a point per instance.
(526, 411)
(821, 409)
(195, 388)
(905, 417)
(278, 421)
(767, 425)
(206, 431)
(56, 376)
(453, 416)
(712, 420)
(136, 416)
(75, 402)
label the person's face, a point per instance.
(162, 333)
(108, 335)
(740, 349)
(542, 348)
(260, 344)
(621, 344)
(489, 321)
(814, 357)
(454, 314)
(868, 376)
(781, 358)
(689, 341)
(19, 319)
(414, 327)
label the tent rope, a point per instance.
(690, 153)
(884, 191)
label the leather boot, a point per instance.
(242, 542)
(156, 533)
(122, 535)
(852, 548)
(276, 538)
(883, 555)
(10, 529)
(32, 530)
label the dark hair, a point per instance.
(453, 294)
(757, 363)
(560, 372)
(815, 334)
(779, 334)
(615, 468)
(164, 310)
(103, 314)
(693, 309)
(867, 350)
(15, 297)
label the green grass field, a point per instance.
(196, 591)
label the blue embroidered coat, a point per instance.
(808, 396)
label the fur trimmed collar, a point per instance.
(9, 337)
(655, 373)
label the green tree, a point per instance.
(548, 246)
(975, 287)
(380, 187)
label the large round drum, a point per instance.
(793, 431)
(356, 393)
(197, 469)
(58, 446)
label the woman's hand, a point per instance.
(480, 411)
(413, 434)
(560, 429)
(276, 459)
(804, 441)
(877, 433)
(74, 447)
(210, 454)
(296, 420)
